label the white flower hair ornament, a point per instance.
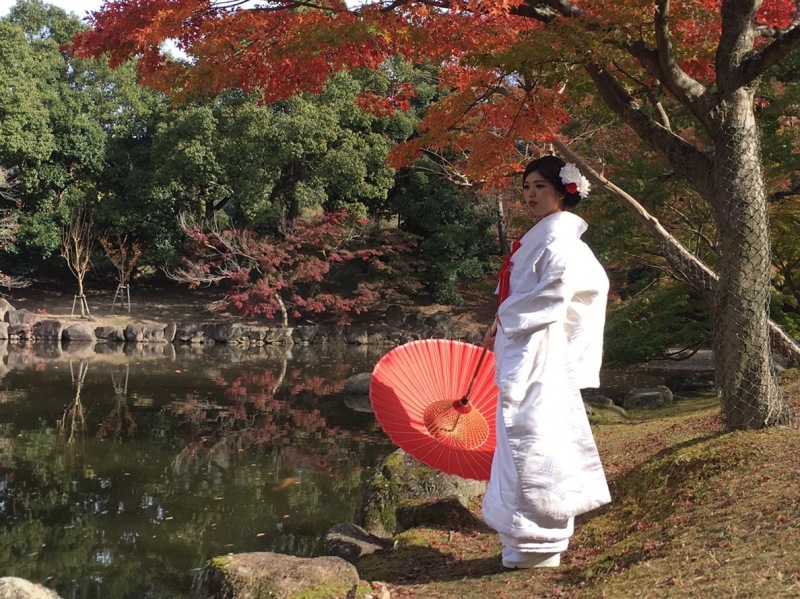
(573, 181)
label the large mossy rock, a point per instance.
(400, 481)
(350, 542)
(274, 575)
(604, 414)
(648, 398)
(447, 513)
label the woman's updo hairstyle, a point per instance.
(550, 167)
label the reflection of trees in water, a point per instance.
(72, 425)
(75, 529)
(263, 468)
(120, 419)
(257, 418)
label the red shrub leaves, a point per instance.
(314, 267)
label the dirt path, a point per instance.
(150, 304)
(160, 303)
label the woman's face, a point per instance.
(541, 196)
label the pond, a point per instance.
(122, 472)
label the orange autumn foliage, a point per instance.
(509, 66)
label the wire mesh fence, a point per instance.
(739, 291)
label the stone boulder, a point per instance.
(275, 575)
(5, 306)
(154, 334)
(169, 331)
(357, 335)
(21, 317)
(4, 330)
(359, 403)
(81, 331)
(22, 330)
(447, 513)
(415, 321)
(350, 542)
(593, 396)
(111, 334)
(47, 329)
(134, 333)
(401, 479)
(381, 335)
(394, 316)
(12, 587)
(223, 332)
(305, 333)
(647, 398)
(278, 335)
(358, 384)
(184, 331)
(474, 338)
(604, 414)
(256, 335)
(692, 381)
(440, 322)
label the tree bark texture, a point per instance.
(749, 392)
(730, 178)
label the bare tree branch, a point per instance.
(757, 63)
(77, 245)
(735, 43)
(693, 164)
(688, 90)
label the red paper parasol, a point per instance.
(436, 399)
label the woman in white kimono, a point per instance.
(547, 337)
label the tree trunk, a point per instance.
(502, 228)
(749, 392)
(284, 313)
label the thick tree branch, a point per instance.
(696, 97)
(563, 7)
(735, 42)
(546, 11)
(757, 63)
(533, 11)
(683, 156)
(686, 89)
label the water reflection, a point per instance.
(124, 468)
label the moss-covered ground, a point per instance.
(696, 512)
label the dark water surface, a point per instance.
(122, 473)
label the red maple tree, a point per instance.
(293, 274)
(513, 68)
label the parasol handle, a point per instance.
(464, 401)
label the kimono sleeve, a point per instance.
(524, 313)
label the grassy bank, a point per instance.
(696, 513)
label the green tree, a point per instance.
(261, 164)
(452, 224)
(54, 140)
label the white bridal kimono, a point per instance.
(546, 468)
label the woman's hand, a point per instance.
(491, 333)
